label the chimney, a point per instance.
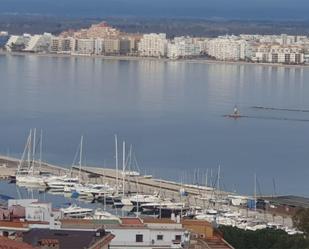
(173, 218)
(178, 218)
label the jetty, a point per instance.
(134, 184)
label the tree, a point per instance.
(301, 220)
(263, 239)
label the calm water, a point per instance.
(171, 112)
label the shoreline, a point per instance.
(138, 58)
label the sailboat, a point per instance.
(26, 174)
(67, 183)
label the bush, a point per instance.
(263, 239)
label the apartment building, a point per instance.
(62, 45)
(111, 46)
(85, 46)
(228, 49)
(38, 43)
(17, 42)
(183, 47)
(153, 45)
(279, 54)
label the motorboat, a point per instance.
(62, 183)
(100, 214)
(123, 202)
(94, 190)
(30, 180)
(75, 211)
(166, 211)
(143, 199)
(152, 206)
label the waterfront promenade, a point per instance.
(141, 58)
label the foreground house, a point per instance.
(67, 239)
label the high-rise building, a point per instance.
(230, 49)
(85, 46)
(183, 47)
(285, 54)
(153, 45)
(62, 45)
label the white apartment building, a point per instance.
(229, 49)
(182, 47)
(85, 46)
(39, 43)
(279, 54)
(153, 45)
(17, 42)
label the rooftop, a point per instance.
(132, 222)
(67, 238)
(6, 243)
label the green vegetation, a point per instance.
(301, 220)
(263, 239)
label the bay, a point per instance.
(172, 112)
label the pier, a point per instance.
(142, 185)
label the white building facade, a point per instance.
(183, 47)
(279, 54)
(228, 49)
(153, 45)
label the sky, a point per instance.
(228, 9)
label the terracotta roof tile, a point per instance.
(6, 243)
(158, 221)
(132, 222)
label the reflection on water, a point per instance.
(172, 113)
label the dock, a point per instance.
(134, 184)
(138, 184)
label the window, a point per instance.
(139, 238)
(178, 237)
(159, 237)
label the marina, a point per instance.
(147, 197)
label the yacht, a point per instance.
(75, 211)
(100, 214)
(94, 190)
(30, 180)
(60, 184)
(152, 206)
(122, 202)
(143, 199)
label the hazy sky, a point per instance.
(242, 9)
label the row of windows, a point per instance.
(139, 237)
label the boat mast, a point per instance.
(218, 179)
(116, 152)
(33, 151)
(80, 157)
(206, 182)
(22, 160)
(123, 164)
(29, 149)
(255, 192)
(40, 157)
